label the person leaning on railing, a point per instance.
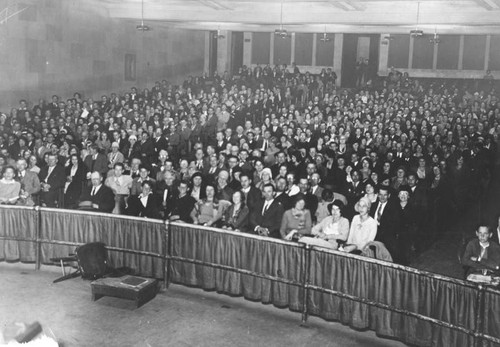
(297, 220)
(9, 188)
(235, 217)
(97, 197)
(332, 229)
(363, 227)
(207, 211)
(481, 253)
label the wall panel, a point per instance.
(303, 49)
(423, 52)
(60, 47)
(282, 50)
(474, 50)
(399, 51)
(324, 50)
(448, 51)
(494, 61)
(261, 48)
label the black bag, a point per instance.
(93, 260)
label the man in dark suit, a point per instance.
(281, 196)
(252, 195)
(183, 204)
(266, 217)
(387, 217)
(97, 197)
(420, 201)
(147, 150)
(52, 178)
(96, 161)
(310, 199)
(167, 192)
(159, 141)
(145, 204)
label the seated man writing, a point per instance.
(481, 254)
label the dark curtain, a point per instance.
(120, 232)
(243, 252)
(447, 300)
(491, 315)
(18, 222)
(412, 292)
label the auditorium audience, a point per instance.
(407, 155)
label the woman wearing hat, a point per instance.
(266, 177)
(331, 229)
(363, 227)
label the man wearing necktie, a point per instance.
(97, 197)
(267, 215)
(52, 179)
(387, 217)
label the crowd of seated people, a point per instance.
(270, 151)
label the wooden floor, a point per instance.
(179, 316)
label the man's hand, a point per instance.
(290, 235)
(96, 206)
(262, 231)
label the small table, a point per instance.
(115, 287)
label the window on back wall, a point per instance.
(130, 67)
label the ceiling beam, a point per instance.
(490, 5)
(216, 5)
(348, 5)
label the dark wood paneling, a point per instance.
(423, 52)
(303, 49)
(261, 48)
(494, 63)
(399, 51)
(282, 50)
(448, 51)
(324, 50)
(474, 50)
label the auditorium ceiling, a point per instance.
(363, 16)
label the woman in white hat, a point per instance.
(363, 227)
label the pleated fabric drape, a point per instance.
(405, 290)
(241, 252)
(125, 233)
(352, 278)
(21, 223)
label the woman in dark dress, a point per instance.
(408, 229)
(75, 178)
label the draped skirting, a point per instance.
(415, 307)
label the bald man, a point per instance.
(97, 197)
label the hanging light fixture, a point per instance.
(435, 40)
(417, 32)
(281, 32)
(324, 37)
(142, 27)
(218, 34)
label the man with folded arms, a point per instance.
(481, 254)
